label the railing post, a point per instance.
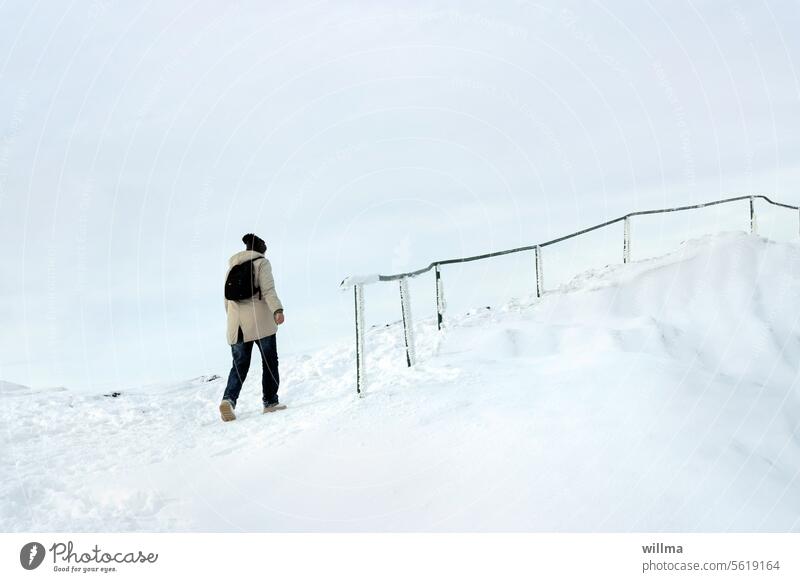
(439, 298)
(408, 322)
(753, 222)
(539, 275)
(359, 298)
(626, 242)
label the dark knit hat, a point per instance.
(254, 242)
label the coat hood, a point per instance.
(243, 256)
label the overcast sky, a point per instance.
(140, 140)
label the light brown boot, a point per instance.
(274, 407)
(226, 411)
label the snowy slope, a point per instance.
(660, 395)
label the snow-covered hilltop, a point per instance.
(660, 395)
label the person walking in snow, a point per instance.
(254, 314)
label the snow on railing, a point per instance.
(359, 282)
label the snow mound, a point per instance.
(656, 396)
(9, 389)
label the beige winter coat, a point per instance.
(255, 316)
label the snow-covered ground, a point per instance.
(656, 396)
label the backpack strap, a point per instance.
(253, 261)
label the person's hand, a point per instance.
(279, 319)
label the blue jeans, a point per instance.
(270, 379)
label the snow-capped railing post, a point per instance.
(408, 322)
(439, 298)
(753, 222)
(539, 276)
(359, 298)
(626, 242)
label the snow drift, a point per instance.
(660, 395)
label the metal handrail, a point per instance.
(359, 282)
(410, 274)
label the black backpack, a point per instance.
(241, 283)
